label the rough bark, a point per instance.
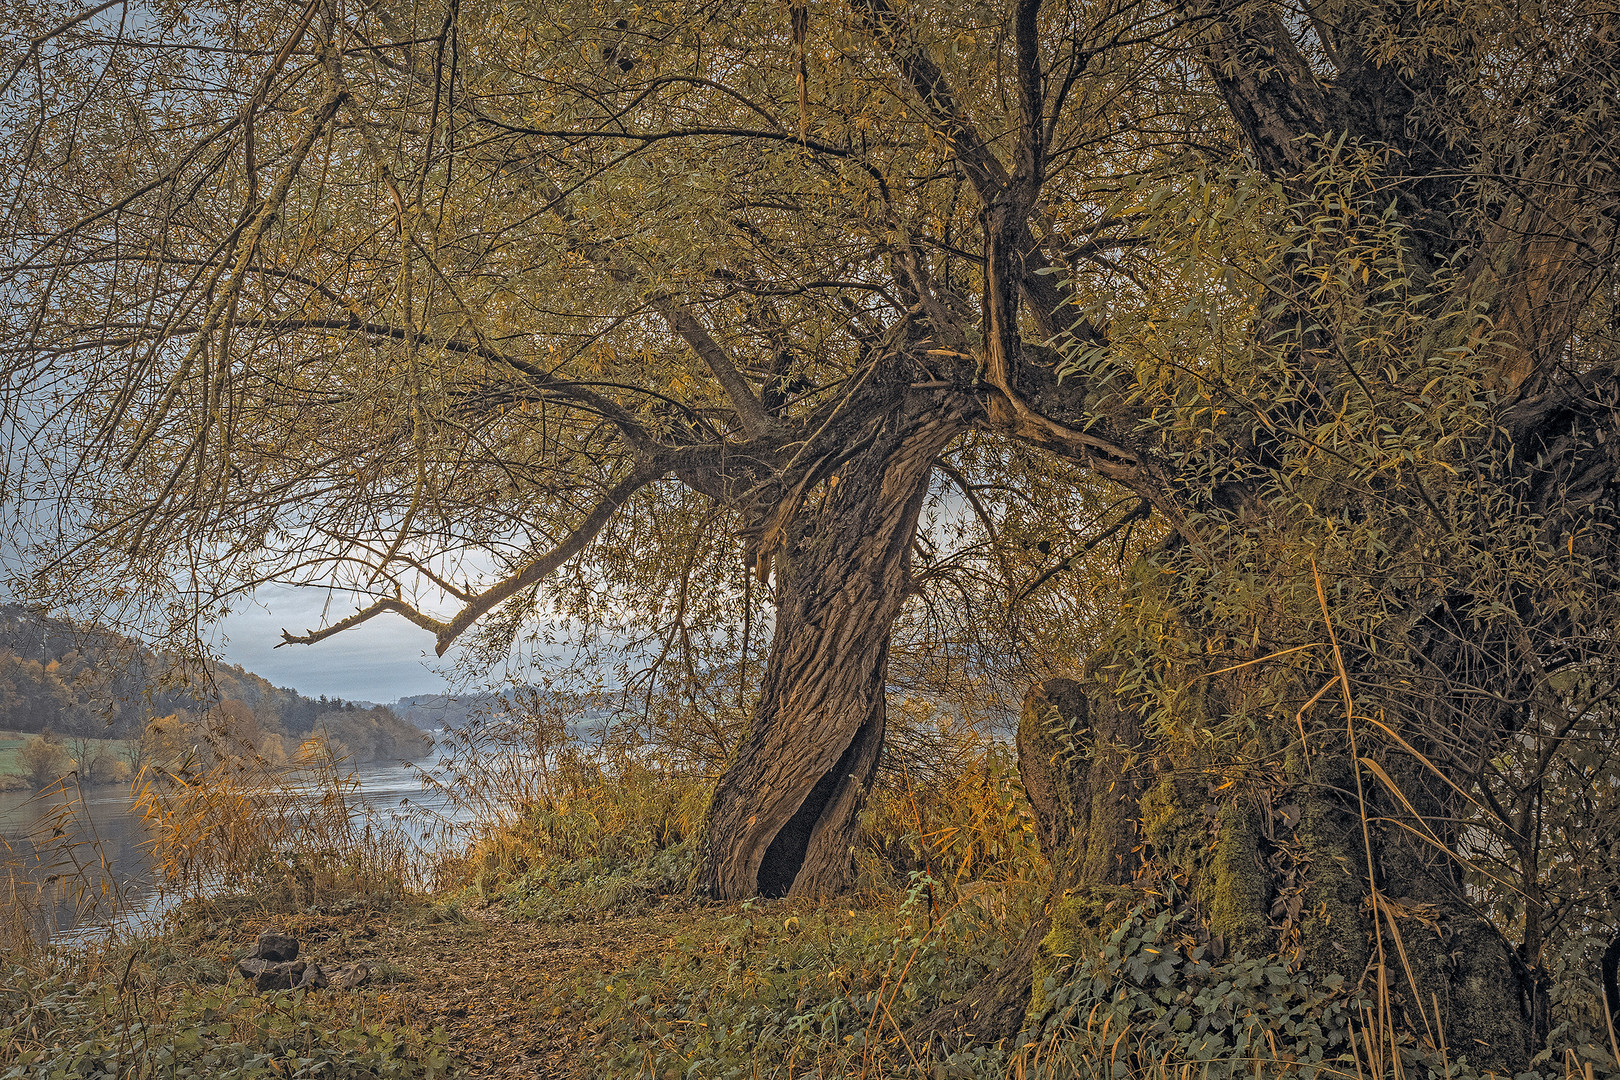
(1609, 969)
(1275, 864)
(783, 814)
(1438, 952)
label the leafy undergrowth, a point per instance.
(496, 986)
(569, 945)
(680, 988)
(783, 989)
(170, 1005)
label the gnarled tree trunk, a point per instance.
(782, 818)
(1272, 864)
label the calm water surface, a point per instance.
(95, 863)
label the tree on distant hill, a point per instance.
(374, 734)
(168, 741)
(135, 754)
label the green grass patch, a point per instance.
(12, 741)
(171, 1004)
(184, 1018)
(784, 987)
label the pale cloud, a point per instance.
(382, 660)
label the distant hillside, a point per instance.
(583, 716)
(76, 681)
(431, 712)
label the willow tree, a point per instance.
(454, 303)
(1352, 704)
(450, 304)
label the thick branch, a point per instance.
(1029, 162)
(642, 475)
(1267, 85)
(756, 422)
(388, 603)
(984, 170)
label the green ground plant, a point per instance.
(164, 1001)
(778, 986)
(164, 1015)
(949, 880)
(168, 1004)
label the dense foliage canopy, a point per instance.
(889, 316)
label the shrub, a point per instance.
(43, 761)
(591, 822)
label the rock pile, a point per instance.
(274, 965)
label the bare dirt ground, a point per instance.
(502, 990)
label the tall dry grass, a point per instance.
(160, 1000)
(300, 827)
(58, 865)
(216, 818)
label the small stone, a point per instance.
(282, 975)
(276, 947)
(251, 967)
(347, 976)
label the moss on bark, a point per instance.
(1333, 934)
(1266, 860)
(1081, 920)
(1216, 846)
(1236, 887)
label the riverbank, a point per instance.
(462, 985)
(566, 945)
(76, 856)
(111, 758)
(569, 945)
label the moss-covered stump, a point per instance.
(1077, 923)
(1054, 732)
(1093, 748)
(1213, 844)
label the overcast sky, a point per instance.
(382, 660)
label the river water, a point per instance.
(83, 859)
